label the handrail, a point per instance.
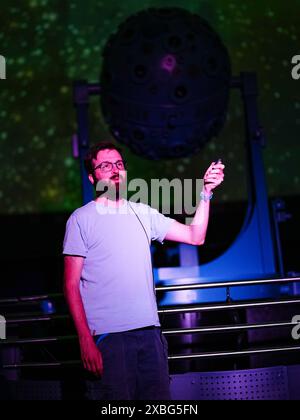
(169, 288)
(172, 357)
(226, 306)
(221, 329)
(177, 309)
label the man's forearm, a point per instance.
(200, 222)
(77, 311)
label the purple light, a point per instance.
(168, 63)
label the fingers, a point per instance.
(97, 368)
(99, 365)
(87, 365)
(214, 181)
(215, 167)
(94, 366)
(214, 175)
(210, 168)
(213, 178)
(93, 363)
(216, 172)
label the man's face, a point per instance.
(113, 176)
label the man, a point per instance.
(108, 279)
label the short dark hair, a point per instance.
(93, 152)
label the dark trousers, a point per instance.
(135, 365)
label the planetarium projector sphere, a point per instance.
(165, 83)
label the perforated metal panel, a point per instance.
(258, 384)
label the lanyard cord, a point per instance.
(149, 243)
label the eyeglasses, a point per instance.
(108, 166)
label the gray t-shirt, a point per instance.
(116, 283)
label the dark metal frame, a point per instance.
(239, 259)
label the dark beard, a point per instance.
(110, 190)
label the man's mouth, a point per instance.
(115, 177)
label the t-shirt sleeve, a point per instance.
(160, 225)
(75, 242)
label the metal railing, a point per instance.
(215, 285)
(170, 310)
(205, 355)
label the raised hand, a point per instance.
(214, 176)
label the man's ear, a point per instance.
(91, 178)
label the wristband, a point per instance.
(206, 197)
